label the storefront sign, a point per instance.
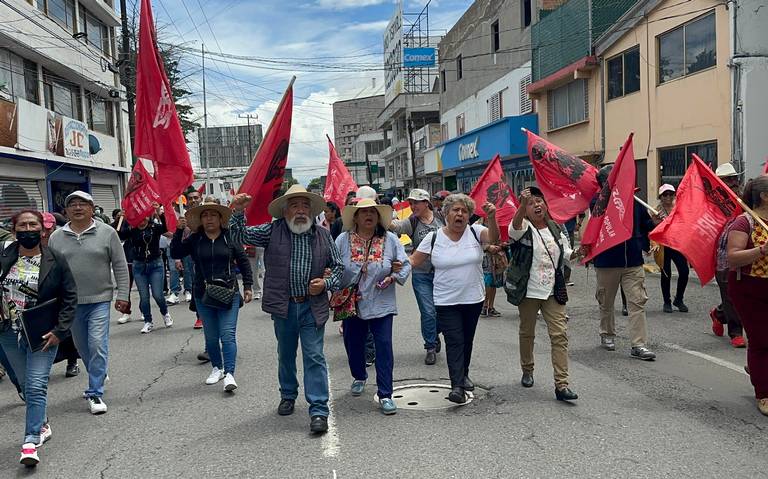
(75, 139)
(418, 57)
(469, 151)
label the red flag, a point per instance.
(159, 137)
(765, 166)
(613, 216)
(704, 205)
(492, 187)
(140, 194)
(201, 190)
(339, 180)
(265, 176)
(568, 183)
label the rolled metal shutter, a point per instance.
(104, 196)
(16, 195)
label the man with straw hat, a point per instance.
(295, 292)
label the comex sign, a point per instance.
(469, 151)
(418, 57)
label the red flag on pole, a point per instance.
(568, 183)
(492, 187)
(201, 190)
(159, 137)
(265, 176)
(339, 180)
(703, 207)
(140, 194)
(613, 216)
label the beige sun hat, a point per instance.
(348, 215)
(726, 170)
(193, 215)
(316, 202)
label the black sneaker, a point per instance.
(678, 303)
(668, 307)
(203, 357)
(624, 311)
(457, 395)
(467, 384)
(318, 425)
(438, 344)
(565, 394)
(72, 370)
(431, 357)
(286, 407)
(643, 353)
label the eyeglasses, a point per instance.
(78, 204)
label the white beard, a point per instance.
(298, 228)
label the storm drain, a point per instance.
(425, 397)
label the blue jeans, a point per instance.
(174, 286)
(422, 288)
(300, 323)
(9, 369)
(356, 332)
(32, 371)
(90, 331)
(189, 273)
(220, 330)
(150, 274)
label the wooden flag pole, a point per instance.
(120, 222)
(272, 122)
(751, 213)
(647, 206)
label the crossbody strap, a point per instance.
(545, 247)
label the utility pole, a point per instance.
(205, 123)
(126, 52)
(248, 118)
(409, 122)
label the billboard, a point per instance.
(393, 57)
(419, 57)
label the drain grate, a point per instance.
(425, 397)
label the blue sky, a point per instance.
(306, 31)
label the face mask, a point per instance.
(28, 239)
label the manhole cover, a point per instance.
(424, 396)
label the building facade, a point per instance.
(63, 120)
(229, 146)
(356, 118)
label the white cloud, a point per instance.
(346, 4)
(377, 26)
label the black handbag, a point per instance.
(219, 293)
(560, 291)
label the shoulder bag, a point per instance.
(561, 290)
(344, 301)
(220, 292)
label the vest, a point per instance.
(277, 262)
(520, 261)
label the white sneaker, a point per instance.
(216, 376)
(45, 434)
(147, 328)
(172, 299)
(229, 383)
(29, 455)
(257, 296)
(124, 319)
(97, 405)
(168, 320)
(187, 296)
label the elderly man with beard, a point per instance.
(296, 255)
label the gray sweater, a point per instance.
(92, 256)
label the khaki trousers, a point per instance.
(554, 315)
(632, 280)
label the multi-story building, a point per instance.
(366, 151)
(229, 146)
(63, 120)
(485, 68)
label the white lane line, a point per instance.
(712, 359)
(334, 474)
(330, 442)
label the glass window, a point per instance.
(97, 34)
(687, 49)
(675, 160)
(525, 14)
(18, 77)
(99, 115)
(62, 11)
(568, 104)
(495, 37)
(624, 73)
(62, 97)
(616, 77)
(442, 79)
(459, 68)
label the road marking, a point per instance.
(712, 359)
(334, 474)
(331, 445)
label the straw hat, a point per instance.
(348, 215)
(316, 202)
(193, 215)
(726, 170)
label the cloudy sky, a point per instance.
(334, 47)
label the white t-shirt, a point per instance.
(541, 282)
(458, 267)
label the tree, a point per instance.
(315, 184)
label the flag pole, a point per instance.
(271, 123)
(647, 206)
(752, 213)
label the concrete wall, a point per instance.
(352, 118)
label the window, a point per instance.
(525, 13)
(568, 104)
(444, 132)
(18, 77)
(442, 80)
(687, 49)
(674, 161)
(495, 37)
(62, 97)
(495, 107)
(61, 11)
(100, 115)
(624, 73)
(526, 104)
(459, 68)
(97, 34)
(460, 127)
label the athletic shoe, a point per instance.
(124, 319)
(738, 342)
(203, 357)
(494, 313)
(147, 328)
(717, 326)
(45, 434)
(187, 296)
(388, 406)
(357, 387)
(484, 311)
(257, 296)
(172, 299)
(607, 342)
(29, 455)
(229, 383)
(168, 320)
(678, 303)
(215, 376)
(97, 405)
(762, 406)
(198, 324)
(641, 352)
(569, 283)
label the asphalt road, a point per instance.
(689, 414)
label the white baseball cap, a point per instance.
(78, 194)
(665, 188)
(417, 194)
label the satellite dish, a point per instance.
(93, 144)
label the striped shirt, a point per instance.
(301, 253)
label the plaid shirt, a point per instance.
(301, 253)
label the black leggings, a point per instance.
(458, 324)
(674, 256)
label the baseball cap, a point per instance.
(366, 192)
(417, 194)
(665, 188)
(49, 221)
(78, 194)
(725, 170)
(441, 195)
